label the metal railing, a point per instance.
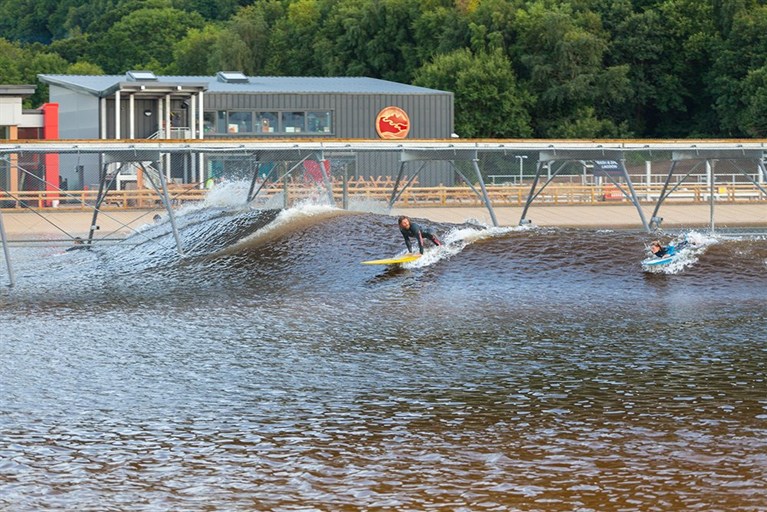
(414, 196)
(636, 179)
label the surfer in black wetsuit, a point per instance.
(411, 229)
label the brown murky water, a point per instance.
(269, 370)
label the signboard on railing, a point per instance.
(611, 167)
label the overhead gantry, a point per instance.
(610, 164)
(451, 156)
(280, 159)
(709, 158)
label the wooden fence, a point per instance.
(380, 190)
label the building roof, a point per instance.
(106, 85)
(17, 90)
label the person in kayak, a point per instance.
(657, 249)
(410, 229)
(670, 250)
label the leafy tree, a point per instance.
(231, 53)
(641, 41)
(143, 39)
(439, 29)
(744, 49)
(752, 119)
(244, 44)
(295, 39)
(38, 21)
(84, 68)
(22, 64)
(84, 18)
(40, 63)
(563, 54)
(577, 68)
(690, 43)
(218, 10)
(72, 49)
(11, 55)
(493, 25)
(724, 13)
(193, 55)
(96, 17)
(488, 101)
(370, 38)
(584, 124)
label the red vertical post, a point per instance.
(51, 132)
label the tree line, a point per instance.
(517, 68)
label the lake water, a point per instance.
(511, 369)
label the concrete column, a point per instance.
(132, 116)
(159, 115)
(200, 120)
(118, 135)
(103, 116)
(166, 117)
(192, 118)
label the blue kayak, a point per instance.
(671, 254)
(656, 262)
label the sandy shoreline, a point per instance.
(64, 224)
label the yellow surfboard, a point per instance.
(407, 258)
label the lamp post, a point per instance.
(521, 158)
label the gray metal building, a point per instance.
(231, 105)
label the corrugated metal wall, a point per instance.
(354, 116)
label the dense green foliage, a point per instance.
(518, 68)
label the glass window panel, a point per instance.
(318, 122)
(209, 122)
(240, 122)
(266, 122)
(221, 121)
(293, 122)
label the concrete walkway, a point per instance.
(603, 216)
(63, 224)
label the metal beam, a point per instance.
(484, 191)
(7, 252)
(414, 149)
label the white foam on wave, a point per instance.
(231, 195)
(287, 221)
(697, 244)
(456, 240)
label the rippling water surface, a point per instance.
(535, 369)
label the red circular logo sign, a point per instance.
(392, 123)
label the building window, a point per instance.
(209, 122)
(318, 122)
(249, 122)
(267, 122)
(221, 121)
(293, 122)
(240, 122)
